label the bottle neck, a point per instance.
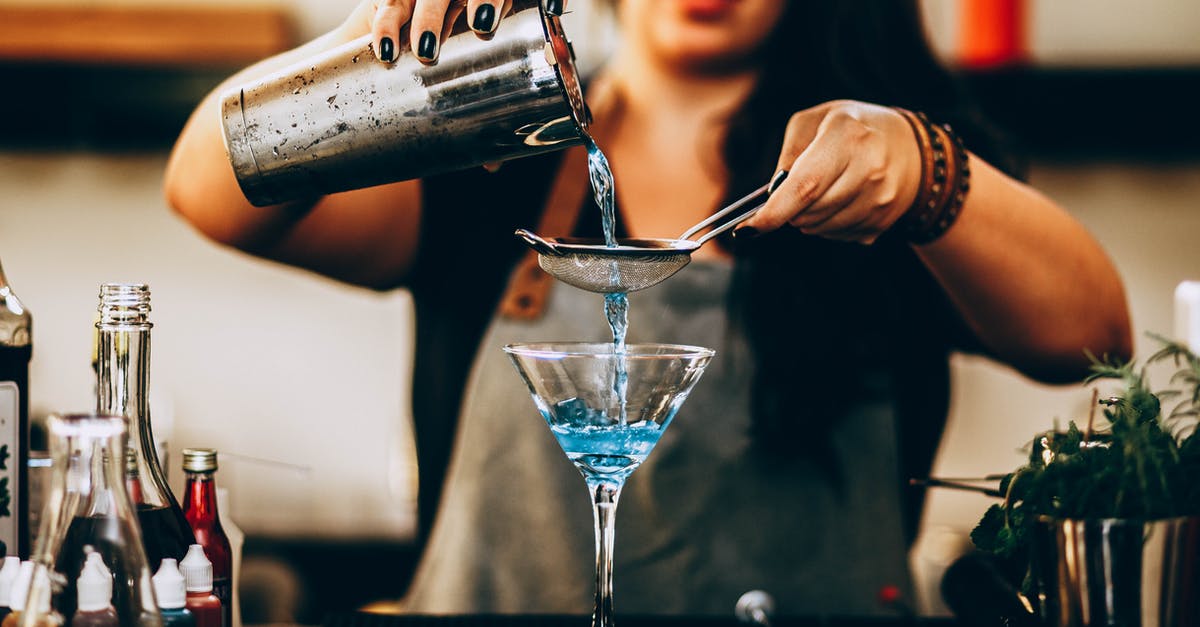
(123, 389)
(14, 318)
(200, 505)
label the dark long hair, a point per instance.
(826, 320)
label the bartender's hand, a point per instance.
(429, 23)
(853, 170)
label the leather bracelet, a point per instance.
(945, 180)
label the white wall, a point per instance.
(300, 383)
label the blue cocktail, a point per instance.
(605, 429)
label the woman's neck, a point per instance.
(653, 91)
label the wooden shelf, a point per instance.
(143, 35)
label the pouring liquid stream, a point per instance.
(616, 304)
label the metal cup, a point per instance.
(1117, 572)
(344, 121)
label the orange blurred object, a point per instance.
(150, 35)
(992, 33)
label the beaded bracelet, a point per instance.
(945, 180)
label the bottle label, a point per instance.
(10, 424)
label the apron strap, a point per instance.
(529, 286)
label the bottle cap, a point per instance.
(7, 575)
(95, 584)
(197, 570)
(20, 587)
(199, 460)
(169, 586)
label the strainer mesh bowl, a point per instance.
(606, 273)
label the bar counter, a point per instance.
(359, 619)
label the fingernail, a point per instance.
(745, 232)
(387, 49)
(427, 46)
(485, 19)
(554, 7)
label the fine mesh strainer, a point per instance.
(634, 264)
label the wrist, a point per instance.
(944, 181)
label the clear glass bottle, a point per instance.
(123, 389)
(16, 349)
(88, 510)
(200, 509)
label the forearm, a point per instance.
(367, 236)
(1031, 282)
(199, 182)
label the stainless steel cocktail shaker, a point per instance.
(346, 121)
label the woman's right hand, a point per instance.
(429, 23)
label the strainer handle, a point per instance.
(765, 190)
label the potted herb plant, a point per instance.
(1102, 525)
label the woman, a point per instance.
(832, 315)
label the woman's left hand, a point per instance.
(853, 170)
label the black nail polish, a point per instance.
(427, 46)
(745, 232)
(485, 19)
(387, 49)
(554, 7)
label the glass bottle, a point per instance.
(123, 385)
(201, 602)
(200, 509)
(88, 511)
(237, 538)
(170, 588)
(16, 349)
(95, 589)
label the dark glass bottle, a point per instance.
(16, 349)
(123, 389)
(200, 508)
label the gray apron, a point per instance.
(700, 523)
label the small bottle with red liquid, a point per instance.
(201, 602)
(200, 509)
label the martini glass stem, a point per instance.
(605, 493)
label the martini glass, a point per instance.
(607, 409)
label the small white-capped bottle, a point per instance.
(35, 603)
(95, 588)
(201, 602)
(171, 591)
(20, 590)
(8, 575)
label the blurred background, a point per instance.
(301, 383)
